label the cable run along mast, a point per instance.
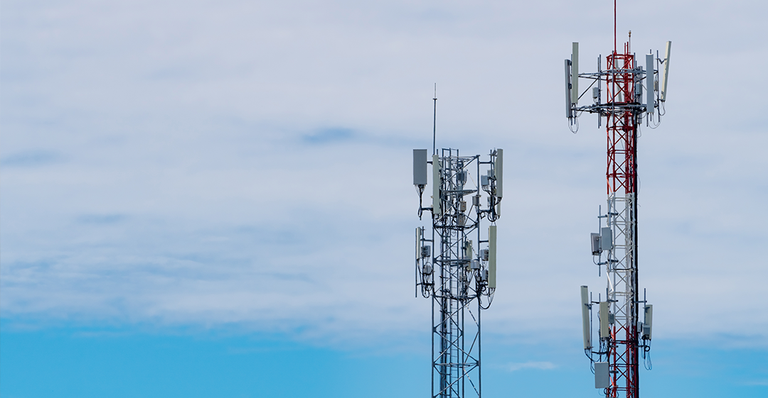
(455, 260)
(633, 95)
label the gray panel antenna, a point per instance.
(604, 314)
(498, 172)
(568, 103)
(575, 73)
(420, 167)
(602, 375)
(606, 238)
(650, 78)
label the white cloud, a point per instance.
(531, 365)
(176, 162)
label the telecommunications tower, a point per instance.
(456, 260)
(632, 96)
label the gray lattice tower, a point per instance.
(456, 261)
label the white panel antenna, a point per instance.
(595, 243)
(666, 72)
(648, 320)
(586, 332)
(419, 235)
(492, 256)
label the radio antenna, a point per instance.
(614, 26)
(434, 121)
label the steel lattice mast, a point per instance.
(623, 333)
(621, 176)
(456, 262)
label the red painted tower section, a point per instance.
(621, 178)
(621, 173)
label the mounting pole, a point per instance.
(614, 26)
(434, 121)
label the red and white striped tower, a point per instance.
(621, 177)
(623, 334)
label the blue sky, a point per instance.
(213, 198)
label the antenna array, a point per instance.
(455, 261)
(622, 333)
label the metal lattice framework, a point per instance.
(622, 111)
(456, 267)
(622, 332)
(621, 176)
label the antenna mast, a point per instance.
(455, 261)
(623, 334)
(434, 121)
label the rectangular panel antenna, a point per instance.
(436, 183)
(599, 89)
(595, 241)
(575, 74)
(568, 104)
(492, 256)
(498, 171)
(650, 77)
(420, 167)
(648, 319)
(585, 318)
(666, 72)
(418, 242)
(602, 376)
(605, 331)
(606, 238)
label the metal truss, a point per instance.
(622, 295)
(621, 176)
(623, 111)
(456, 273)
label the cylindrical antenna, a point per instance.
(614, 26)
(434, 121)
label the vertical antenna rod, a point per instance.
(614, 26)
(434, 121)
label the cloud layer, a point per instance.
(247, 164)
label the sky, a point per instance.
(213, 198)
